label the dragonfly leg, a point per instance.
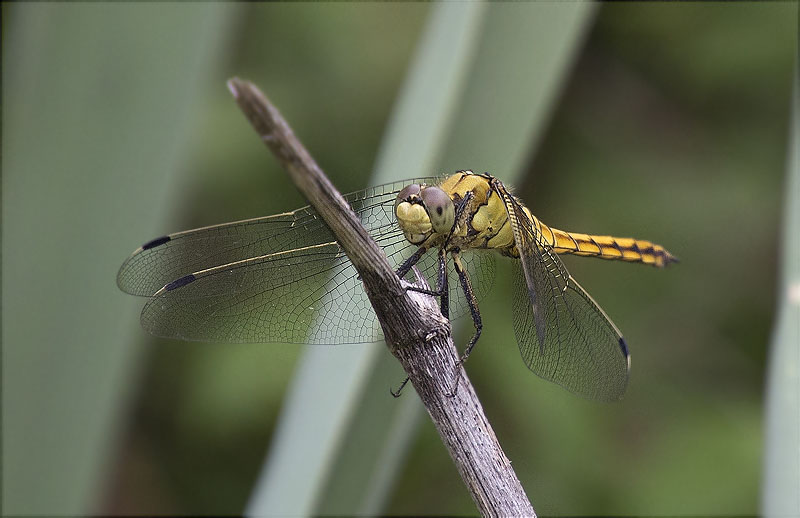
(403, 269)
(441, 290)
(472, 302)
(459, 212)
(397, 393)
(441, 285)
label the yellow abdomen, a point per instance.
(606, 247)
(488, 225)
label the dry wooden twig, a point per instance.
(414, 328)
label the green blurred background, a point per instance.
(670, 123)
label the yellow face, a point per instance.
(424, 210)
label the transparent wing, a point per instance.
(170, 257)
(280, 278)
(563, 334)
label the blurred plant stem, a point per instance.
(781, 482)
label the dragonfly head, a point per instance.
(422, 210)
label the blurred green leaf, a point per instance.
(780, 495)
(95, 120)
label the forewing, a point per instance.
(277, 279)
(575, 344)
(170, 257)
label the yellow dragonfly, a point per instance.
(284, 278)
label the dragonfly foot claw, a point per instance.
(456, 378)
(399, 391)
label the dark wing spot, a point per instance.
(623, 346)
(155, 242)
(439, 211)
(183, 281)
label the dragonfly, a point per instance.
(285, 279)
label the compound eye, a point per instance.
(408, 192)
(440, 209)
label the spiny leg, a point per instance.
(441, 291)
(401, 272)
(462, 206)
(397, 393)
(403, 269)
(441, 285)
(472, 302)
